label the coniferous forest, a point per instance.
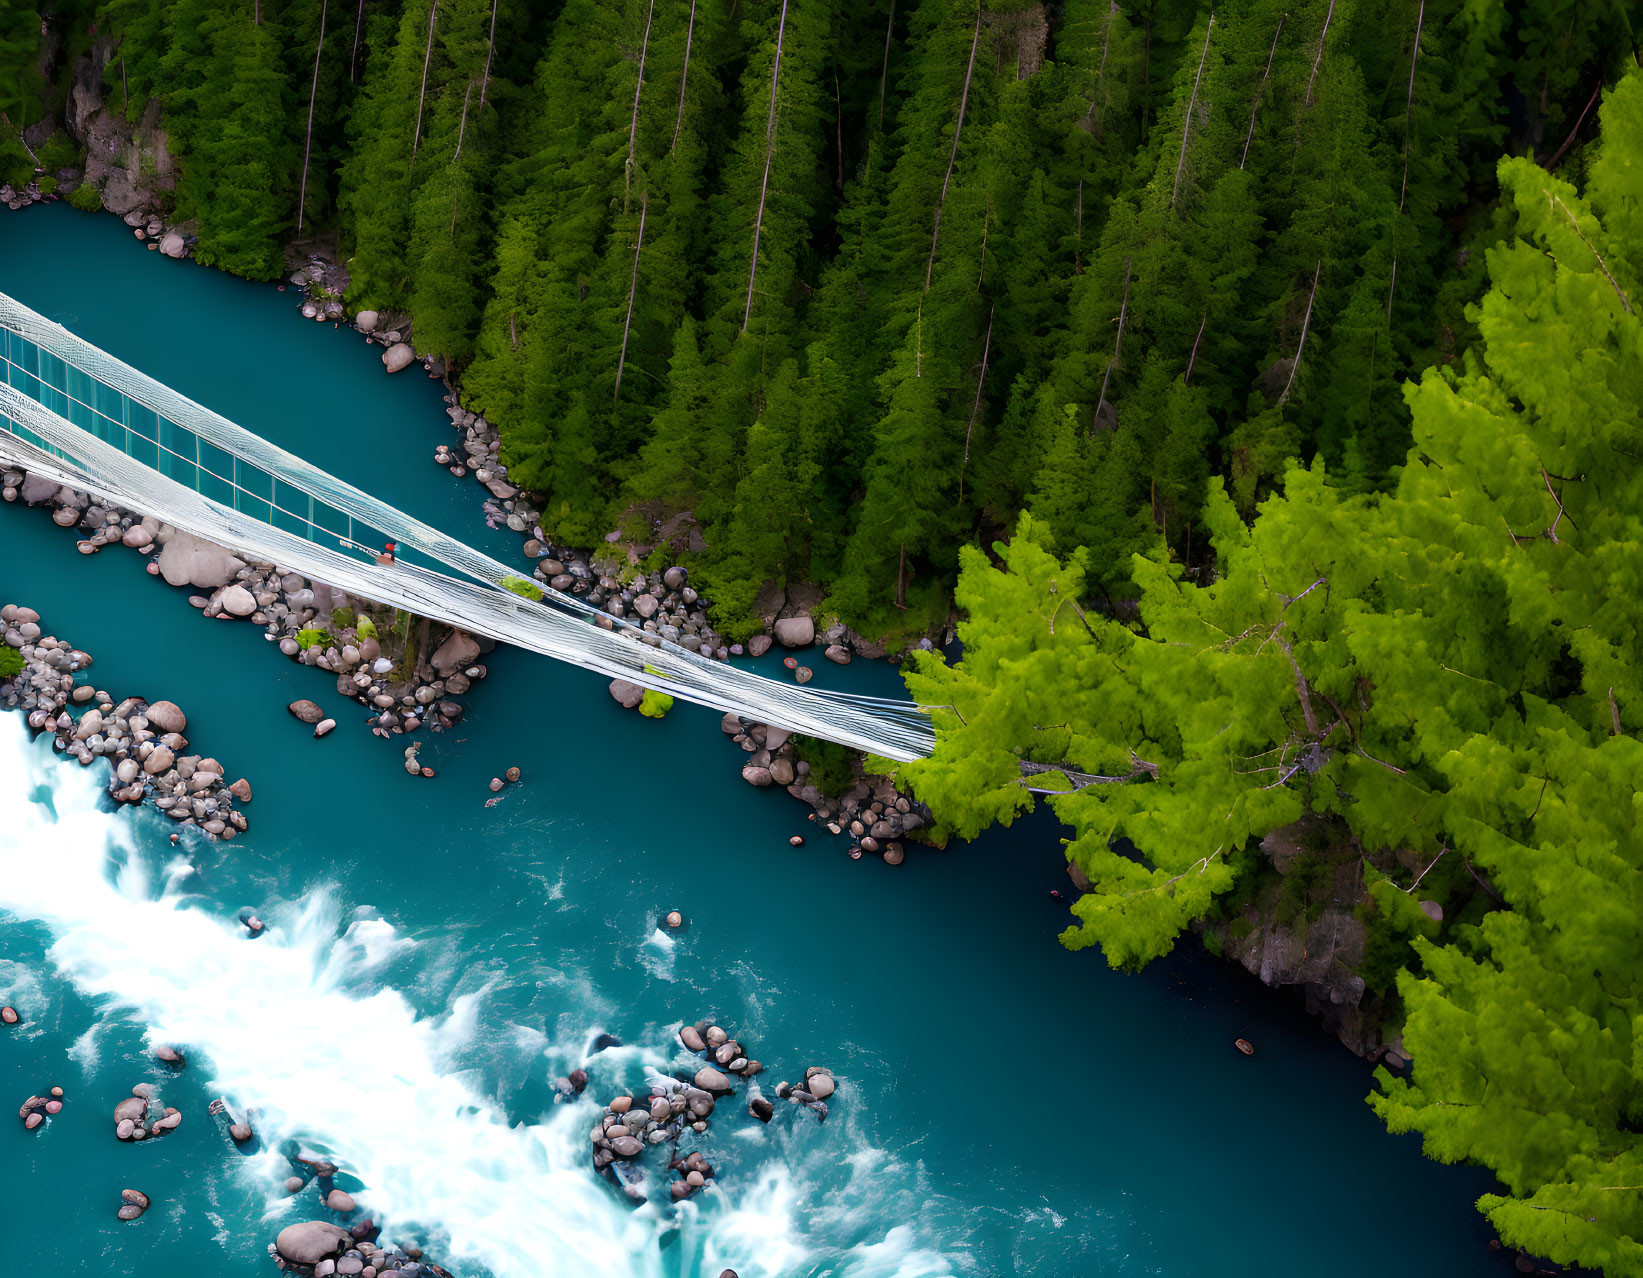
(1261, 382)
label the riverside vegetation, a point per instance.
(1276, 438)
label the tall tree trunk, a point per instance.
(1118, 345)
(1101, 71)
(422, 95)
(1409, 104)
(952, 158)
(1403, 192)
(633, 289)
(1265, 75)
(462, 128)
(313, 93)
(679, 120)
(633, 125)
(769, 151)
(353, 58)
(1318, 61)
(490, 48)
(1192, 105)
(975, 408)
(838, 129)
(884, 71)
(1193, 358)
(1305, 324)
(901, 579)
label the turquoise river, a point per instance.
(1004, 1106)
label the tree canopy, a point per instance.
(1450, 669)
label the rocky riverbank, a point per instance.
(402, 669)
(143, 741)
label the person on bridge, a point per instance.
(387, 555)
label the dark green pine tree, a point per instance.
(377, 197)
(239, 181)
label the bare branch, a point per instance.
(422, 95)
(975, 409)
(490, 48)
(1192, 105)
(353, 58)
(1601, 264)
(1193, 358)
(633, 289)
(1318, 61)
(1117, 345)
(1305, 324)
(1409, 104)
(638, 88)
(313, 93)
(884, 71)
(769, 152)
(1569, 141)
(679, 120)
(952, 158)
(1614, 713)
(462, 128)
(1255, 106)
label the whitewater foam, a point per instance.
(300, 1025)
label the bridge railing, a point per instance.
(81, 415)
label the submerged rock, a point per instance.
(311, 1241)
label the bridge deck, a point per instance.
(74, 412)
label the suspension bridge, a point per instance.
(78, 415)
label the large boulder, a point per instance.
(188, 560)
(795, 632)
(166, 716)
(306, 710)
(172, 245)
(38, 488)
(237, 601)
(366, 321)
(627, 695)
(456, 652)
(398, 356)
(311, 1241)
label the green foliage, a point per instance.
(48, 184)
(366, 628)
(59, 151)
(86, 197)
(523, 587)
(343, 618)
(11, 662)
(850, 324)
(312, 637)
(653, 705)
(16, 165)
(831, 770)
(1446, 671)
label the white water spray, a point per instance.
(284, 1025)
(363, 1076)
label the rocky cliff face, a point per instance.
(131, 164)
(1301, 926)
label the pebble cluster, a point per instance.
(15, 198)
(321, 1248)
(871, 812)
(143, 741)
(35, 1109)
(142, 1115)
(313, 623)
(630, 1124)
